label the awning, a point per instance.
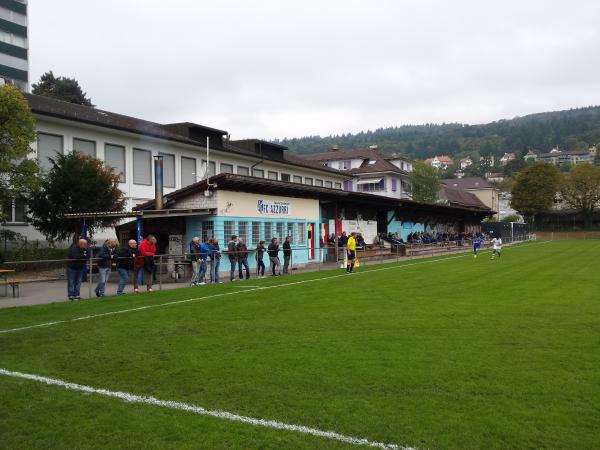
(370, 181)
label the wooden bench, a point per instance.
(430, 249)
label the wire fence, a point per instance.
(182, 269)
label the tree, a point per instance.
(535, 189)
(61, 88)
(76, 183)
(513, 166)
(425, 181)
(18, 173)
(580, 189)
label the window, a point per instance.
(188, 171)
(301, 237)
(47, 147)
(328, 184)
(212, 167)
(255, 232)
(258, 173)
(243, 231)
(241, 170)
(114, 156)
(142, 166)
(280, 230)
(229, 229)
(348, 185)
(290, 231)
(297, 179)
(84, 147)
(394, 185)
(308, 180)
(272, 175)
(373, 187)
(345, 165)
(268, 231)
(226, 168)
(207, 230)
(13, 39)
(338, 185)
(168, 170)
(319, 183)
(15, 211)
(285, 177)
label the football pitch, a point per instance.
(436, 353)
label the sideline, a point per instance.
(251, 289)
(266, 423)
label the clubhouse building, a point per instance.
(215, 186)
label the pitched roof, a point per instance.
(51, 107)
(241, 183)
(459, 197)
(468, 183)
(381, 162)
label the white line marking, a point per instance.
(132, 398)
(251, 289)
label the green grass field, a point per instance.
(454, 353)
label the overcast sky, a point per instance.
(287, 69)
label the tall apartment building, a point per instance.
(14, 61)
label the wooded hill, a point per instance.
(569, 129)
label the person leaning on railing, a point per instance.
(76, 264)
(194, 257)
(144, 264)
(232, 254)
(273, 252)
(124, 264)
(105, 257)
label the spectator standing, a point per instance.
(105, 257)
(144, 263)
(77, 258)
(125, 263)
(204, 253)
(273, 252)
(232, 253)
(260, 265)
(195, 259)
(343, 240)
(215, 259)
(242, 254)
(287, 254)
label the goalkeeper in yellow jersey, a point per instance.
(351, 252)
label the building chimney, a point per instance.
(158, 183)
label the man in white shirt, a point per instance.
(496, 247)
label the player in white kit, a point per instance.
(496, 247)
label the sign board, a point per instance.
(273, 208)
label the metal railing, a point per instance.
(170, 268)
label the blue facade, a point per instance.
(252, 230)
(403, 228)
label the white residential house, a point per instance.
(441, 162)
(370, 171)
(129, 144)
(466, 162)
(506, 158)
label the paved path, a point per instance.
(56, 291)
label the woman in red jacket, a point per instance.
(144, 264)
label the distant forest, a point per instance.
(572, 129)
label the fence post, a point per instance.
(90, 272)
(160, 262)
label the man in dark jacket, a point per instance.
(242, 257)
(77, 258)
(287, 254)
(260, 265)
(195, 258)
(125, 263)
(273, 252)
(105, 257)
(232, 253)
